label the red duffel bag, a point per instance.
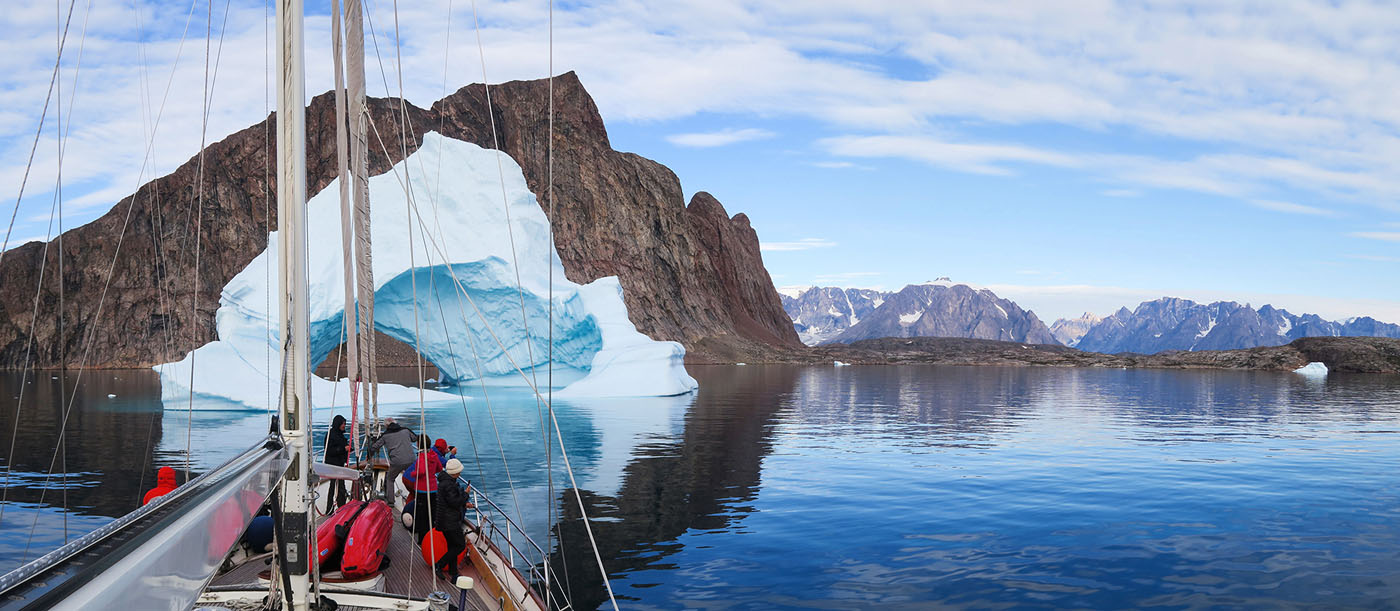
(329, 538)
(367, 540)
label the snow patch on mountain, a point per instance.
(462, 279)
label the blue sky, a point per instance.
(1071, 156)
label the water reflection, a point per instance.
(800, 487)
(898, 487)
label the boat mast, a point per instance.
(293, 326)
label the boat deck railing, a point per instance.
(522, 551)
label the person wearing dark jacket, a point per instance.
(398, 442)
(450, 501)
(338, 454)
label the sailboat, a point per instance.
(181, 551)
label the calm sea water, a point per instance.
(855, 487)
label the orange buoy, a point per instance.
(433, 546)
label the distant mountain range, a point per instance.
(944, 309)
(1172, 323)
(935, 309)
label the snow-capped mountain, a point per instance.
(934, 309)
(1172, 323)
(822, 312)
(1069, 330)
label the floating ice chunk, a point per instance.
(111, 396)
(459, 305)
(1312, 369)
(840, 364)
(741, 364)
(430, 381)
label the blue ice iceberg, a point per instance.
(474, 309)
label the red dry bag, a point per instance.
(367, 541)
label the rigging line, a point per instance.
(111, 267)
(267, 206)
(25, 369)
(510, 230)
(563, 452)
(48, 234)
(549, 379)
(58, 197)
(53, 81)
(583, 513)
(198, 235)
(428, 239)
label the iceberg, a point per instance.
(458, 294)
(1312, 369)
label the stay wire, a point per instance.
(38, 131)
(111, 268)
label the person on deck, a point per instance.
(445, 452)
(398, 442)
(165, 484)
(425, 471)
(451, 503)
(338, 454)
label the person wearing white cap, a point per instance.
(451, 501)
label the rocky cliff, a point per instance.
(689, 273)
(1172, 323)
(943, 309)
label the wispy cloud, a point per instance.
(722, 137)
(1387, 236)
(803, 244)
(977, 158)
(839, 165)
(1242, 89)
(1290, 208)
(1123, 193)
(1376, 258)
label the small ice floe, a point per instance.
(1312, 369)
(111, 396)
(430, 381)
(741, 364)
(840, 364)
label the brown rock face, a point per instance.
(689, 274)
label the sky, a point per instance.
(1072, 156)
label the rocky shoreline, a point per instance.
(1340, 354)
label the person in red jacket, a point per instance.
(165, 484)
(423, 476)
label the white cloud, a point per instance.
(803, 244)
(839, 165)
(1289, 207)
(1388, 236)
(1123, 193)
(1303, 98)
(975, 158)
(722, 137)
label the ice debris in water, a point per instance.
(840, 364)
(1312, 369)
(470, 272)
(111, 396)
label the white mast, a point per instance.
(291, 233)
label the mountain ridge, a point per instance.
(1173, 323)
(940, 308)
